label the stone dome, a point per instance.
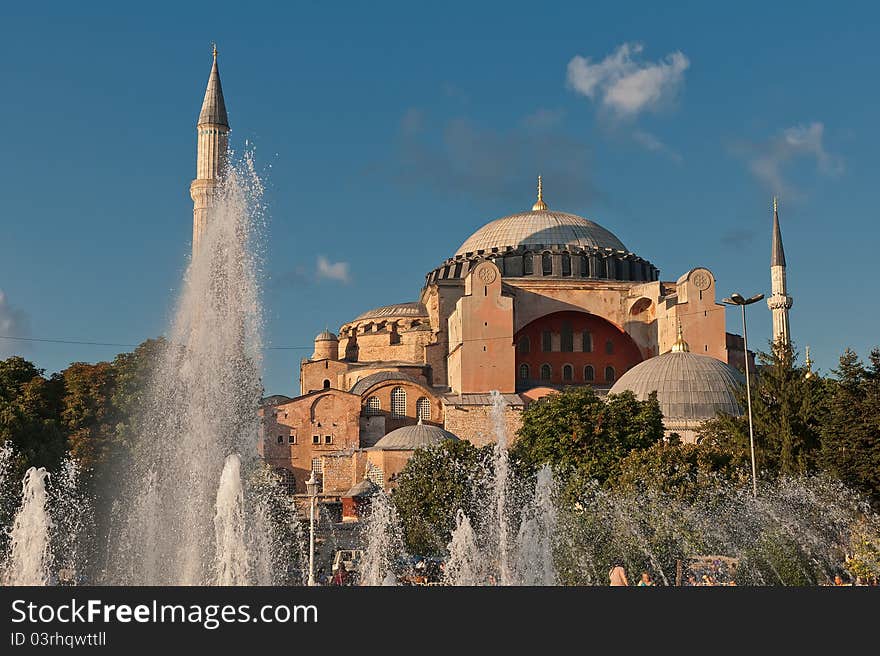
(326, 336)
(410, 438)
(541, 228)
(415, 309)
(690, 387)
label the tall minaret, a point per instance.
(213, 130)
(779, 301)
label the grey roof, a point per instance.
(366, 383)
(513, 400)
(274, 399)
(213, 107)
(688, 385)
(777, 255)
(544, 227)
(413, 309)
(326, 336)
(410, 438)
(366, 488)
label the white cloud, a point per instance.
(625, 86)
(13, 323)
(769, 160)
(652, 143)
(332, 270)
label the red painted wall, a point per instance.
(624, 356)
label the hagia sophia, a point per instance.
(530, 303)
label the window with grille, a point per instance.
(398, 403)
(546, 341)
(589, 373)
(423, 409)
(545, 372)
(609, 374)
(286, 480)
(567, 372)
(317, 465)
(375, 474)
(523, 345)
(588, 342)
(524, 371)
(374, 406)
(566, 338)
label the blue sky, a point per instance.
(388, 132)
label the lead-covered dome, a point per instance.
(543, 227)
(410, 438)
(690, 388)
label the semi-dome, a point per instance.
(543, 227)
(690, 388)
(414, 309)
(410, 438)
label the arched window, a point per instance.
(566, 338)
(523, 345)
(398, 403)
(423, 409)
(527, 264)
(589, 373)
(585, 267)
(545, 372)
(546, 264)
(609, 347)
(524, 371)
(326, 384)
(609, 374)
(374, 406)
(566, 264)
(567, 372)
(587, 346)
(546, 341)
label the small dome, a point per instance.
(326, 336)
(689, 386)
(541, 228)
(410, 438)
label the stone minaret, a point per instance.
(779, 301)
(213, 130)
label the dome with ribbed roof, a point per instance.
(414, 309)
(542, 227)
(410, 438)
(689, 386)
(326, 336)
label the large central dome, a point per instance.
(541, 227)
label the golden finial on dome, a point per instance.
(680, 346)
(540, 205)
(809, 364)
(214, 48)
(775, 205)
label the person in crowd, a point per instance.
(617, 575)
(645, 579)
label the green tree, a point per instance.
(788, 409)
(850, 447)
(585, 437)
(435, 483)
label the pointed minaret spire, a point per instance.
(213, 140)
(779, 302)
(540, 205)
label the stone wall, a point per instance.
(475, 424)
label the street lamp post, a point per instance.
(312, 489)
(737, 299)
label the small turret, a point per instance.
(326, 346)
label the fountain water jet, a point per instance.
(229, 528)
(30, 556)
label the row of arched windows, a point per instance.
(546, 373)
(566, 342)
(398, 405)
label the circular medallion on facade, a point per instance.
(701, 279)
(487, 274)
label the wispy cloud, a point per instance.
(627, 87)
(769, 160)
(652, 143)
(461, 156)
(332, 270)
(14, 323)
